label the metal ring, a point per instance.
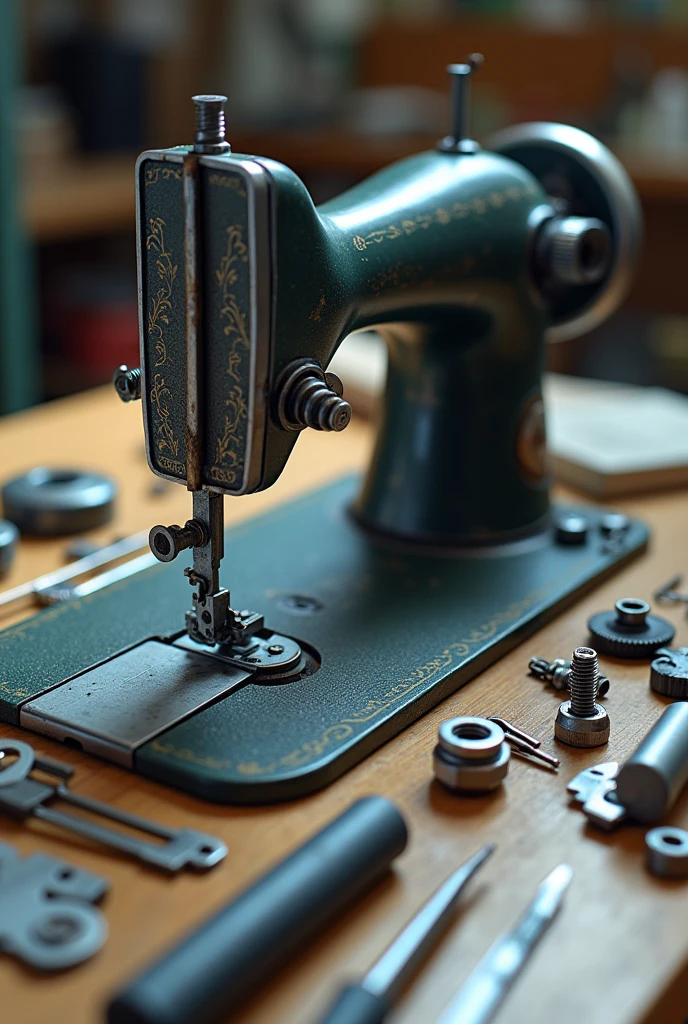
(667, 852)
(471, 738)
(50, 502)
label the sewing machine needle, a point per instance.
(370, 1000)
(486, 988)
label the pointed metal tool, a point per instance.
(370, 1000)
(488, 985)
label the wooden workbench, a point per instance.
(616, 955)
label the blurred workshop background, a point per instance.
(336, 89)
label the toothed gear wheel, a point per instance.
(669, 673)
(629, 631)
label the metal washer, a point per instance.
(51, 502)
(667, 852)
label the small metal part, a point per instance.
(558, 673)
(595, 789)
(308, 397)
(47, 914)
(486, 988)
(26, 797)
(113, 709)
(614, 524)
(571, 529)
(666, 850)
(166, 542)
(669, 673)
(573, 250)
(471, 755)
(581, 721)
(210, 125)
(669, 593)
(127, 383)
(274, 653)
(648, 784)
(457, 141)
(9, 537)
(630, 631)
(52, 502)
(523, 743)
(381, 987)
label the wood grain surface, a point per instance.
(617, 953)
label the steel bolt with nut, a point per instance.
(472, 755)
(581, 721)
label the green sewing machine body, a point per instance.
(437, 244)
(373, 599)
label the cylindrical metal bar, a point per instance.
(204, 978)
(652, 778)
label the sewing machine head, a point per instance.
(464, 259)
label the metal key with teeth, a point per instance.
(23, 796)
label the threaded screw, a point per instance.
(558, 674)
(583, 682)
(581, 722)
(210, 125)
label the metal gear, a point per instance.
(629, 631)
(669, 673)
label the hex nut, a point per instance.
(592, 731)
(472, 738)
(667, 852)
(471, 756)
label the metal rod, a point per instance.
(110, 553)
(487, 987)
(56, 595)
(391, 972)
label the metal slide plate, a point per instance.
(397, 631)
(114, 709)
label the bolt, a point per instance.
(558, 673)
(581, 721)
(127, 383)
(275, 649)
(210, 125)
(167, 541)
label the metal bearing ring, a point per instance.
(667, 852)
(471, 755)
(51, 502)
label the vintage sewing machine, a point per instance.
(359, 607)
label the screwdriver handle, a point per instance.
(356, 1005)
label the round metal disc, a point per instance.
(51, 502)
(573, 166)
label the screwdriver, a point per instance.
(486, 988)
(369, 1001)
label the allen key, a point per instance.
(22, 797)
(523, 743)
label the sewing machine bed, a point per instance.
(397, 632)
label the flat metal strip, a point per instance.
(113, 709)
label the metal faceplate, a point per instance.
(204, 316)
